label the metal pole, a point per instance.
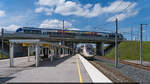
(141, 43)
(28, 53)
(52, 54)
(11, 54)
(141, 29)
(63, 34)
(63, 37)
(36, 55)
(116, 44)
(2, 47)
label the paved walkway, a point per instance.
(67, 69)
(63, 70)
(20, 63)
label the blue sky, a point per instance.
(91, 15)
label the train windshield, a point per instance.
(89, 48)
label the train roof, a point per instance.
(33, 28)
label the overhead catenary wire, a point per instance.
(121, 11)
(113, 10)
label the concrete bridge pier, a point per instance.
(100, 48)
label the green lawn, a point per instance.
(131, 51)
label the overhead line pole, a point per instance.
(63, 32)
(141, 43)
(63, 37)
(2, 47)
(116, 44)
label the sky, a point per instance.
(88, 15)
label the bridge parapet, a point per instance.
(59, 38)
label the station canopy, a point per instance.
(27, 42)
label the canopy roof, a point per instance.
(34, 41)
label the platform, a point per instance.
(67, 69)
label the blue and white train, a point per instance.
(87, 51)
(69, 33)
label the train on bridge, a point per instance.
(66, 33)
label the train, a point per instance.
(87, 51)
(66, 33)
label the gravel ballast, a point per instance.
(136, 74)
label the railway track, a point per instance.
(112, 74)
(129, 63)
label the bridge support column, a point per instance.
(11, 54)
(100, 49)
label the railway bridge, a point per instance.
(66, 40)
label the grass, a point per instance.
(131, 51)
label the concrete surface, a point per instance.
(62, 70)
(94, 73)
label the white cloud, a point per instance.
(50, 2)
(67, 8)
(2, 13)
(116, 6)
(73, 29)
(10, 28)
(55, 24)
(128, 13)
(48, 11)
(122, 16)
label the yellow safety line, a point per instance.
(80, 76)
